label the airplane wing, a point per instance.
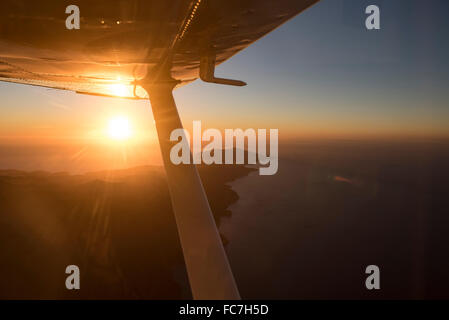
(123, 45)
(119, 41)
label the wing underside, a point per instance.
(120, 41)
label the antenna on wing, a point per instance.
(207, 70)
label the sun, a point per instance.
(119, 90)
(119, 128)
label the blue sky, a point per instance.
(325, 67)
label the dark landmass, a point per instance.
(308, 232)
(117, 226)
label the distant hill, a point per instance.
(117, 226)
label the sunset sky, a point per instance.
(320, 75)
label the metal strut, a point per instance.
(208, 269)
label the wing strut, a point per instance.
(208, 269)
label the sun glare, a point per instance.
(119, 128)
(119, 90)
